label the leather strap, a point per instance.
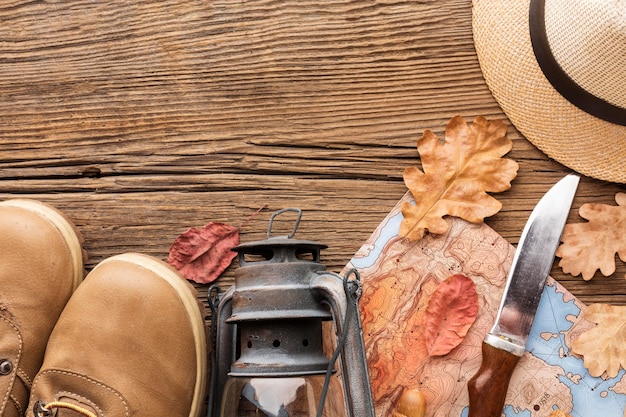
(559, 79)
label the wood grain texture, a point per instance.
(142, 120)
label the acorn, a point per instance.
(411, 404)
(559, 413)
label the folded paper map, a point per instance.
(398, 278)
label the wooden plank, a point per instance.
(141, 120)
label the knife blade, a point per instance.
(505, 343)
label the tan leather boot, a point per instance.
(41, 263)
(130, 342)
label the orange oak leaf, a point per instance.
(457, 176)
(590, 246)
(603, 347)
(451, 311)
(201, 255)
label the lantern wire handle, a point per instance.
(277, 213)
(353, 298)
(213, 298)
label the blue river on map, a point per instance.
(389, 231)
(592, 396)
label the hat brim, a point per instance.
(584, 143)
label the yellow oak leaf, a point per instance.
(603, 347)
(590, 246)
(457, 176)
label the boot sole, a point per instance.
(72, 236)
(190, 303)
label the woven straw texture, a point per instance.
(593, 53)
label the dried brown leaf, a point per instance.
(604, 346)
(201, 255)
(590, 246)
(457, 176)
(451, 311)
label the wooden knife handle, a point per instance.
(488, 388)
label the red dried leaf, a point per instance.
(451, 311)
(201, 255)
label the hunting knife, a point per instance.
(505, 343)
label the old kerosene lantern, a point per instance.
(269, 357)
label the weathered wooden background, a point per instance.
(142, 119)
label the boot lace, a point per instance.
(45, 410)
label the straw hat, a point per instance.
(565, 90)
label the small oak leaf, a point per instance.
(457, 176)
(451, 311)
(592, 245)
(603, 347)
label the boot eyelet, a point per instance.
(6, 367)
(40, 410)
